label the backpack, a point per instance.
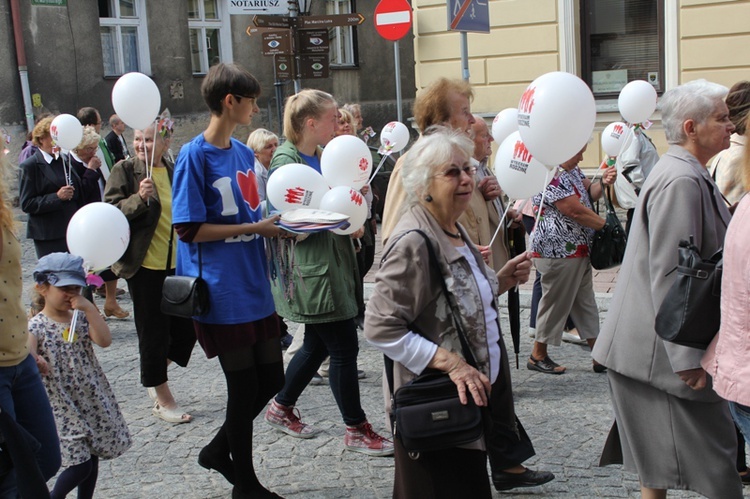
(635, 161)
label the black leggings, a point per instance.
(253, 375)
(82, 475)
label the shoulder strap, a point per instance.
(468, 354)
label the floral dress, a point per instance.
(87, 415)
(556, 235)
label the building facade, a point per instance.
(76, 50)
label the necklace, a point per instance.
(456, 235)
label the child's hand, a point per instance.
(42, 365)
(78, 302)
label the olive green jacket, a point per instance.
(326, 279)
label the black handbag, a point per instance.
(690, 314)
(608, 247)
(426, 413)
(184, 296)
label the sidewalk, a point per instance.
(567, 417)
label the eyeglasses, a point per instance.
(456, 171)
(238, 97)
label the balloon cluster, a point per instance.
(553, 122)
(346, 167)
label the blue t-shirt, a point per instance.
(311, 161)
(218, 186)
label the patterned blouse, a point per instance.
(556, 235)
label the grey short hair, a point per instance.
(260, 139)
(695, 100)
(432, 152)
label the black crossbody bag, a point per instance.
(184, 296)
(426, 413)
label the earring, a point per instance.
(428, 198)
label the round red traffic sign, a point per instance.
(393, 19)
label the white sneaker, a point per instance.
(532, 332)
(573, 338)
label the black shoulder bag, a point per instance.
(184, 296)
(608, 247)
(426, 413)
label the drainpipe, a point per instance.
(23, 72)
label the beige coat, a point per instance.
(678, 200)
(408, 295)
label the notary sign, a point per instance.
(313, 41)
(277, 42)
(245, 7)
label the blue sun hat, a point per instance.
(60, 269)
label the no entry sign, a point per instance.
(393, 19)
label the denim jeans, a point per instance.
(741, 416)
(339, 341)
(22, 395)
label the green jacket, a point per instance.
(122, 191)
(326, 276)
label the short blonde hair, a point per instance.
(90, 138)
(260, 139)
(41, 130)
(308, 103)
(346, 115)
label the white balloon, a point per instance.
(136, 100)
(556, 116)
(66, 131)
(346, 160)
(349, 202)
(519, 174)
(295, 186)
(99, 233)
(394, 135)
(505, 123)
(613, 137)
(637, 101)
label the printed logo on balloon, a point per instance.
(525, 106)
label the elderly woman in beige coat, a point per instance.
(675, 431)
(410, 319)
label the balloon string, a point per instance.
(66, 170)
(380, 165)
(150, 169)
(501, 224)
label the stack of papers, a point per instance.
(304, 220)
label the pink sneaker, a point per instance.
(362, 438)
(286, 419)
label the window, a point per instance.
(210, 36)
(623, 40)
(124, 37)
(343, 39)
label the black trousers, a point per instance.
(44, 247)
(160, 336)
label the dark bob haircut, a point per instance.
(227, 79)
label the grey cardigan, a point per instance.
(678, 200)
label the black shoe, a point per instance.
(286, 341)
(360, 322)
(529, 478)
(599, 368)
(545, 365)
(211, 461)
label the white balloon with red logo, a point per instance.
(394, 136)
(519, 174)
(613, 138)
(349, 202)
(505, 123)
(295, 186)
(556, 116)
(136, 100)
(637, 101)
(66, 131)
(99, 233)
(346, 160)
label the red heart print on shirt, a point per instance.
(249, 188)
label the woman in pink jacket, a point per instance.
(726, 359)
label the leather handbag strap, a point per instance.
(169, 255)
(468, 354)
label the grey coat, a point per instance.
(678, 200)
